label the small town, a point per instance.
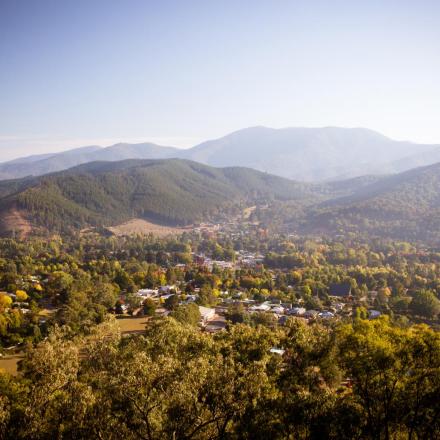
(219, 220)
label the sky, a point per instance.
(87, 72)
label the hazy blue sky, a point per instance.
(77, 72)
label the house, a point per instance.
(340, 290)
(277, 309)
(207, 314)
(167, 289)
(282, 320)
(264, 307)
(297, 311)
(338, 307)
(147, 293)
(326, 315)
(278, 351)
(373, 314)
(161, 311)
(190, 299)
(215, 325)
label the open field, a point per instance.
(46, 312)
(132, 325)
(9, 363)
(248, 211)
(140, 226)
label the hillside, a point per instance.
(304, 154)
(173, 191)
(404, 206)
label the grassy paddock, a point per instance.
(132, 325)
(9, 363)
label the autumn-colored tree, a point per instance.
(21, 295)
(5, 301)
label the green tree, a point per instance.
(425, 303)
(149, 307)
(187, 314)
(172, 302)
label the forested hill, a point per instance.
(404, 206)
(172, 191)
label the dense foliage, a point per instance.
(402, 207)
(349, 377)
(178, 383)
(170, 191)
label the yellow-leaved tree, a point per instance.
(21, 295)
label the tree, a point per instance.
(383, 295)
(425, 303)
(170, 276)
(51, 369)
(236, 313)
(125, 281)
(105, 294)
(21, 295)
(59, 285)
(207, 296)
(118, 308)
(187, 314)
(361, 313)
(171, 302)
(149, 307)
(5, 301)
(395, 373)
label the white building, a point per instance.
(260, 307)
(207, 314)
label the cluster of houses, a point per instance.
(249, 259)
(214, 319)
(341, 305)
(209, 263)
(242, 259)
(210, 320)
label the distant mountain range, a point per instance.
(312, 154)
(39, 165)
(304, 154)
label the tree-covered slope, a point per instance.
(172, 191)
(406, 205)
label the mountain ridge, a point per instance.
(404, 206)
(173, 191)
(298, 153)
